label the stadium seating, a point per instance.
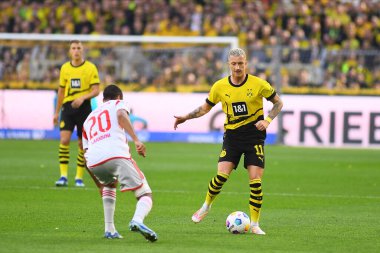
(319, 45)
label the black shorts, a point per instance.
(245, 140)
(71, 117)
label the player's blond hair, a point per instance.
(236, 52)
(75, 41)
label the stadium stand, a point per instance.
(323, 45)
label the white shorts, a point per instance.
(124, 171)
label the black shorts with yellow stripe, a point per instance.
(246, 140)
(74, 117)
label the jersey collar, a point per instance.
(240, 84)
(78, 65)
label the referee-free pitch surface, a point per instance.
(315, 200)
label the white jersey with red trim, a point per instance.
(102, 136)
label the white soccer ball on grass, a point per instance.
(238, 222)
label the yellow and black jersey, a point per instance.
(242, 103)
(77, 80)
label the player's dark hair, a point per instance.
(112, 92)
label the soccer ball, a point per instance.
(238, 222)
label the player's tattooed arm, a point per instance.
(200, 111)
(196, 113)
(276, 109)
(277, 106)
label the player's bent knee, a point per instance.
(145, 195)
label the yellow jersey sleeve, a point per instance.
(63, 76)
(94, 75)
(267, 90)
(214, 96)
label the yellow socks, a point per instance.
(215, 186)
(255, 199)
(64, 157)
(80, 165)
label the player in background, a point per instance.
(79, 82)
(241, 96)
(109, 159)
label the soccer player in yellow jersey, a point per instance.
(79, 82)
(241, 95)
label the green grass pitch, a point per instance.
(315, 200)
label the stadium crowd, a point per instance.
(330, 44)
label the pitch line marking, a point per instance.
(286, 194)
(189, 192)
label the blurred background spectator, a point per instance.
(322, 44)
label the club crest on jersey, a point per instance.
(249, 93)
(75, 83)
(223, 153)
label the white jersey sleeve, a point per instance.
(103, 137)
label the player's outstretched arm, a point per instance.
(200, 111)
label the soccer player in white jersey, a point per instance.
(109, 161)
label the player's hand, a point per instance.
(140, 148)
(178, 120)
(55, 119)
(262, 125)
(77, 103)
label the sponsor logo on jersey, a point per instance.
(75, 83)
(240, 108)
